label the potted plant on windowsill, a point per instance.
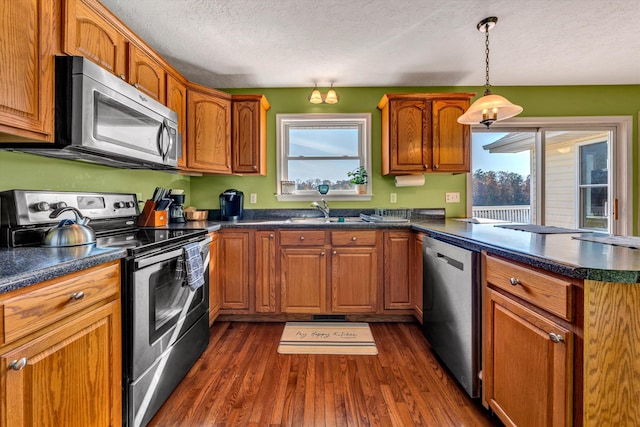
(358, 177)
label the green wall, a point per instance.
(33, 172)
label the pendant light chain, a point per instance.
(486, 52)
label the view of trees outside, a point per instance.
(500, 188)
(312, 184)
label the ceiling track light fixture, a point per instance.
(317, 97)
(489, 108)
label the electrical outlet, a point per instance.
(253, 198)
(393, 198)
(452, 197)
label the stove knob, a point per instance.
(59, 205)
(119, 205)
(131, 204)
(41, 207)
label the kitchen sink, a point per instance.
(331, 220)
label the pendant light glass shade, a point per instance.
(315, 97)
(490, 108)
(332, 96)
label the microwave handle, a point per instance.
(164, 127)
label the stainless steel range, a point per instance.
(164, 316)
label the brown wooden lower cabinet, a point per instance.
(303, 277)
(354, 280)
(397, 268)
(528, 352)
(67, 371)
(234, 255)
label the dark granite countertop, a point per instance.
(20, 267)
(553, 252)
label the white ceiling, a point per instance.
(294, 43)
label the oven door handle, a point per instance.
(145, 262)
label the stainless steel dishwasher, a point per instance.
(452, 309)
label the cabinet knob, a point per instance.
(121, 76)
(136, 85)
(17, 365)
(228, 166)
(335, 252)
(254, 167)
(301, 237)
(436, 166)
(322, 253)
(353, 238)
(271, 236)
(77, 296)
(514, 281)
(556, 338)
(426, 166)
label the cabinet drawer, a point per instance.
(546, 291)
(58, 298)
(353, 238)
(301, 238)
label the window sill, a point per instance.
(327, 197)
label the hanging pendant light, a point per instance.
(315, 97)
(490, 108)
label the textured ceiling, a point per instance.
(294, 43)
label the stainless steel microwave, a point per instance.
(100, 118)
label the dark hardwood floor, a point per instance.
(241, 380)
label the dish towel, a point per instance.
(193, 264)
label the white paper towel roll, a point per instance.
(409, 180)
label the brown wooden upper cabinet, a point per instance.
(420, 133)
(26, 71)
(177, 101)
(146, 74)
(208, 130)
(249, 134)
(87, 33)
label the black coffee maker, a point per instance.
(231, 205)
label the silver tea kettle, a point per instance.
(69, 232)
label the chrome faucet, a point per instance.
(325, 210)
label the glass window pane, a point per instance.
(308, 174)
(323, 142)
(593, 201)
(593, 164)
(502, 175)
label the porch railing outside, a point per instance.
(514, 213)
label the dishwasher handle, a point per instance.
(444, 258)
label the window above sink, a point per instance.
(315, 149)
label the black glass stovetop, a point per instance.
(148, 239)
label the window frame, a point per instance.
(284, 121)
(621, 159)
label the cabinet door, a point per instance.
(72, 374)
(354, 280)
(233, 263)
(208, 133)
(214, 283)
(397, 267)
(26, 69)
(416, 275)
(451, 140)
(146, 74)
(177, 101)
(265, 271)
(303, 280)
(527, 370)
(410, 136)
(249, 139)
(88, 34)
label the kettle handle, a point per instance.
(81, 220)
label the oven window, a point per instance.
(171, 299)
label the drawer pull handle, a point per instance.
(301, 237)
(514, 281)
(17, 365)
(77, 296)
(556, 338)
(353, 238)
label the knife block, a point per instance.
(150, 217)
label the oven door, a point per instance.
(161, 307)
